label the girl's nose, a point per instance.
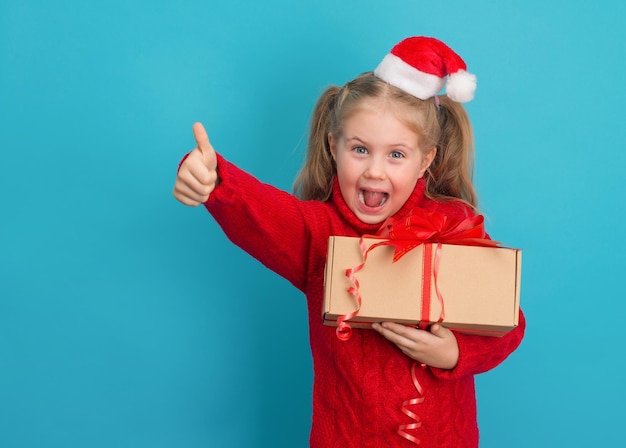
(375, 169)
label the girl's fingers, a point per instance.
(400, 335)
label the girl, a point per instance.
(380, 146)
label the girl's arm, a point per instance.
(271, 225)
(478, 354)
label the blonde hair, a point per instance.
(445, 126)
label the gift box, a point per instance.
(471, 289)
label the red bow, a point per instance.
(421, 226)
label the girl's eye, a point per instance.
(396, 155)
(360, 150)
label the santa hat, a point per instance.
(420, 65)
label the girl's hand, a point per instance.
(436, 348)
(197, 176)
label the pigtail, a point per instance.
(450, 174)
(314, 181)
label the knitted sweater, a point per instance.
(360, 384)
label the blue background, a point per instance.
(128, 320)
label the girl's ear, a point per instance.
(428, 159)
(331, 145)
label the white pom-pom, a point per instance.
(461, 86)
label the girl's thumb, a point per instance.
(204, 145)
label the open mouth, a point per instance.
(373, 198)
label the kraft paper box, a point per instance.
(480, 286)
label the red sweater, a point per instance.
(359, 384)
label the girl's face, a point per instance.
(378, 162)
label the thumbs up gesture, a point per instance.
(197, 175)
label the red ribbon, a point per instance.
(422, 226)
(402, 429)
(426, 276)
(344, 330)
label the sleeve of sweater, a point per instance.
(478, 354)
(269, 224)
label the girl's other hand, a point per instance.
(197, 176)
(436, 347)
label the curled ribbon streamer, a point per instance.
(344, 330)
(402, 429)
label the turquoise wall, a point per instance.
(128, 320)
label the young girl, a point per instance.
(380, 146)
